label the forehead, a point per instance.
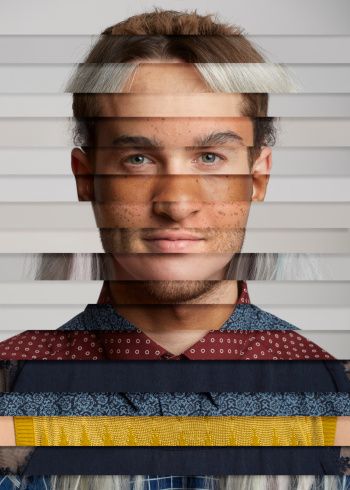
(166, 78)
(171, 102)
(169, 90)
(175, 131)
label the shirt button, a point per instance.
(167, 356)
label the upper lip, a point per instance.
(172, 235)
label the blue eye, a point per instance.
(137, 159)
(208, 157)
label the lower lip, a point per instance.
(169, 246)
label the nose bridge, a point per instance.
(177, 196)
(177, 187)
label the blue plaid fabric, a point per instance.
(180, 482)
(150, 483)
(155, 483)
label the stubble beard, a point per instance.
(179, 291)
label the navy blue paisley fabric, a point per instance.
(175, 404)
(244, 317)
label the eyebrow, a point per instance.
(212, 139)
(219, 138)
(136, 141)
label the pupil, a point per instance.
(209, 157)
(138, 159)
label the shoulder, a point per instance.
(251, 317)
(98, 317)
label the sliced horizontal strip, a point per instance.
(263, 214)
(175, 404)
(246, 344)
(286, 161)
(49, 133)
(51, 79)
(280, 189)
(179, 431)
(170, 376)
(328, 322)
(184, 460)
(280, 105)
(51, 49)
(336, 241)
(277, 293)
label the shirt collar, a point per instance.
(155, 350)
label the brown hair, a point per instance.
(165, 34)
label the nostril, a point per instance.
(176, 210)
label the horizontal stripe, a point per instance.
(194, 376)
(71, 49)
(315, 321)
(50, 79)
(280, 105)
(288, 161)
(283, 293)
(281, 189)
(335, 342)
(174, 404)
(174, 431)
(256, 241)
(56, 133)
(79, 215)
(184, 461)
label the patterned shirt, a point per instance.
(100, 332)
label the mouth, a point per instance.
(173, 241)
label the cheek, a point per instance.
(126, 201)
(231, 215)
(122, 188)
(122, 201)
(113, 214)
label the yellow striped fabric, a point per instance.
(175, 431)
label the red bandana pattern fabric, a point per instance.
(136, 345)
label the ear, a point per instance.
(83, 172)
(261, 173)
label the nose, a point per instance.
(177, 197)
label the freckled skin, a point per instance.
(174, 189)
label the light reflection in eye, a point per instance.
(137, 159)
(209, 157)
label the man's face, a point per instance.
(172, 188)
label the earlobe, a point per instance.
(261, 173)
(82, 170)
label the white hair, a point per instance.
(95, 78)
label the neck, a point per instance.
(174, 326)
